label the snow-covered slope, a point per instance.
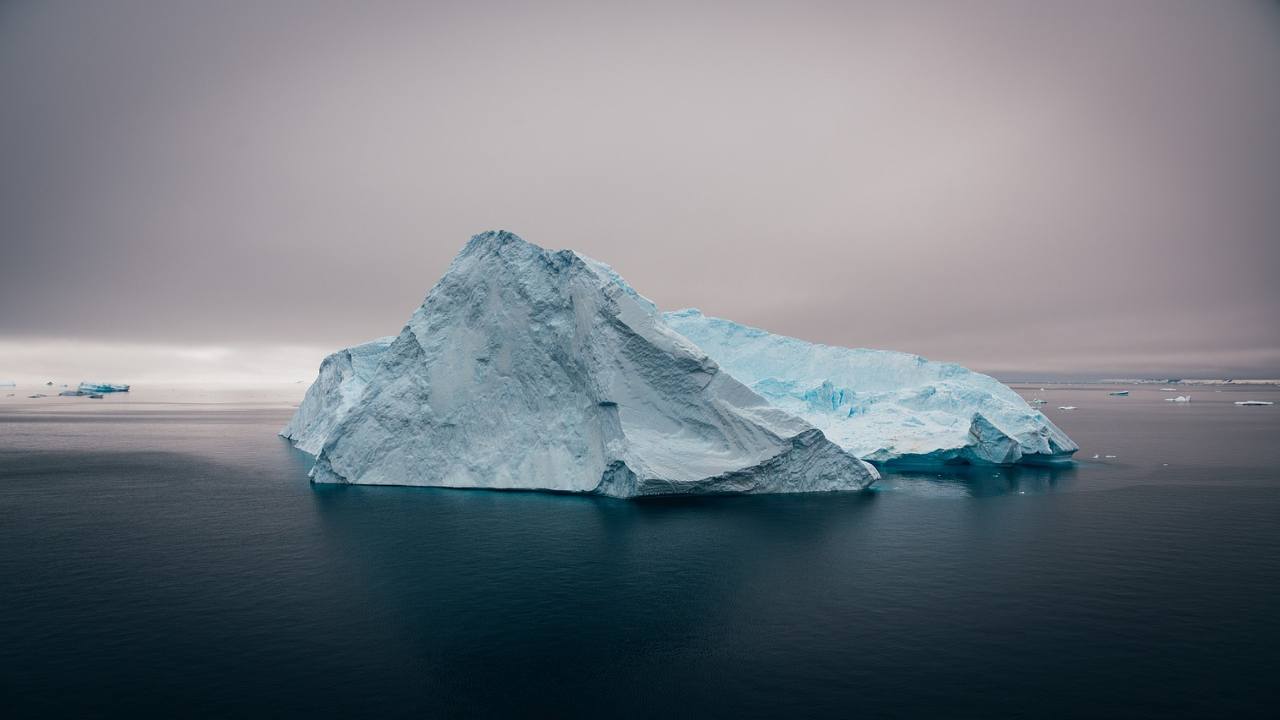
(532, 369)
(343, 376)
(882, 406)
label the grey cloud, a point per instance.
(1076, 187)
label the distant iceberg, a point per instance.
(103, 387)
(531, 369)
(886, 407)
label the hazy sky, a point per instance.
(1030, 188)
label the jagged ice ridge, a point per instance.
(883, 406)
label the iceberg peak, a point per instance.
(527, 368)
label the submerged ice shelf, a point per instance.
(531, 369)
(882, 406)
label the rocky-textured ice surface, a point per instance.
(532, 369)
(343, 376)
(882, 406)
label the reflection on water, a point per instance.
(977, 480)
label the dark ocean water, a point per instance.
(166, 555)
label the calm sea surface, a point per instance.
(163, 553)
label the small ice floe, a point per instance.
(1119, 393)
(70, 393)
(1095, 456)
(1254, 403)
(95, 396)
(1037, 401)
(8, 383)
(1110, 457)
(1169, 389)
(1041, 389)
(37, 395)
(1066, 407)
(1179, 399)
(101, 387)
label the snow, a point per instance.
(531, 369)
(882, 406)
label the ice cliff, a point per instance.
(882, 406)
(343, 376)
(531, 369)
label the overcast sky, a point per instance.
(1030, 188)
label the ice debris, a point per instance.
(882, 406)
(531, 369)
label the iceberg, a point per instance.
(101, 387)
(883, 406)
(531, 369)
(342, 380)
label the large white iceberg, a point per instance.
(882, 406)
(530, 369)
